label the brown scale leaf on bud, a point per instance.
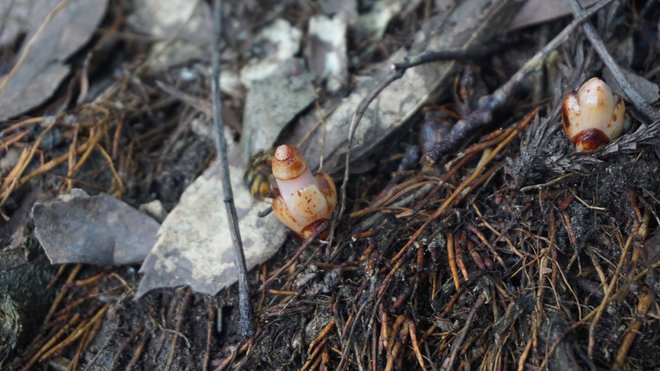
(592, 115)
(303, 201)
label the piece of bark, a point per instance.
(272, 103)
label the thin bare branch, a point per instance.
(246, 325)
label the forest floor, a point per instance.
(474, 235)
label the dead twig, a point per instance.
(124, 345)
(359, 112)
(456, 345)
(51, 342)
(608, 288)
(137, 353)
(643, 307)
(179, 319)
(415, 344)
(63, 291)
(197, 103)
(210, 325)
(246, 325)
(77, 333)
(451, 257)
(399, 338)
(322, 335)
(444, 55)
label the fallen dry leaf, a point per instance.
(100, 230)
(183, 28)
(372, 25)
(647, 89)
(539, 11)
(44, 68)
(194, 246)
(272, 103)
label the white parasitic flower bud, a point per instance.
(592, 115)
(302, 201)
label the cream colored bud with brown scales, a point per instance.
(302, 201)
(592, 115)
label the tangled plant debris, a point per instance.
(509, 250)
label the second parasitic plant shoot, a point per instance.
(592, 115)
(302, 201)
